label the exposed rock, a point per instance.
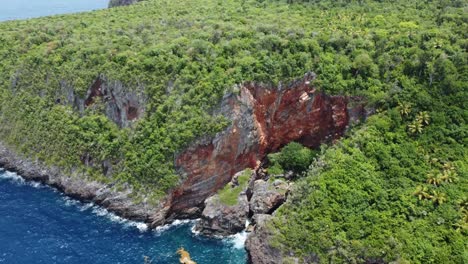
(117, 102)
(219, 219)
(267, 196)
(114, 3)
(258, 244)
(263, 120)
(79, 187)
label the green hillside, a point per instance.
(394, 189)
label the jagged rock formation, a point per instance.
(259, 197)
(258, 245)
(119, 105)
(263, 120)
(222, 220)
(114, 3)
(267, 197)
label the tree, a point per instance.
(421, 192)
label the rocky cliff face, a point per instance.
(263, 120)
(109, 97)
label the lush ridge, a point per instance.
(394, 190)
(182, 57)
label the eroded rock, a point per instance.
(258, 244)
(268, 196)
(219, 219)
(263, 120)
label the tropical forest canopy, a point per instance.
(394, 189)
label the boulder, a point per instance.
(268, 196)
(219, 219)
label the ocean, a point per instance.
(38, 224)
(23, 9)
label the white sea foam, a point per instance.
(238, 240)
(103, 212)
(100, 211)
(8, 175)
(194, 231)
(15, 178)
(160, 229)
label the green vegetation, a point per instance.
(229, 194)
(293, 156)
(393, 190)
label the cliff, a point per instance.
(263, 120)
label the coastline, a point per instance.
(78, 187)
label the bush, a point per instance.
(293, 156)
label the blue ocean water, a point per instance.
(22, 9)
(40, 225)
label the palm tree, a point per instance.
(449, 176)
(461, 226)
(449, 166)
(421, 192)
(423, 117)
(405, 108)
(438, 197)
(434, 179)
(463, 204)
(415, 127)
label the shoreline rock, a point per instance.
(223, 220)
(76, 186)
(259, 249)
(267, 197)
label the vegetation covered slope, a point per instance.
(396, 188)
(357, 201)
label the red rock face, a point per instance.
(263, 120)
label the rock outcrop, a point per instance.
(114, 3)
(263, 120)
(258, 244)
(219, 219)
(109, 97)
(267, 197)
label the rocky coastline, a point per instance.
(264, 118)
(78, 187)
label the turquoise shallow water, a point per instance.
(40, 225)
(21, 9)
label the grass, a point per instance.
(228, 195)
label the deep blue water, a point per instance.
(40, 225)
(21, 9)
